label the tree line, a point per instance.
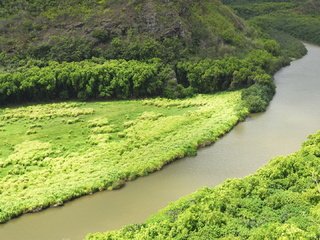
(130, 79)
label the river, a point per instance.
(293, 114)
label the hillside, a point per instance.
(201, 47)
(74, 30)
(300, 18)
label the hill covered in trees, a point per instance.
(300, 18)
(199, 46)
(74, 30)
(83, 50)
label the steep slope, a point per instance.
(74, 30)
(184, 36)
(300, 18)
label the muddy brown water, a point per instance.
(293, 114)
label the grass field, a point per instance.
(51, 153)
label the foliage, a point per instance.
(276, 19)
(74, 30)
(280, 201)
(290, 47)
(84, 80)
(67, 150)
(298, 18)
(258, 8)
(144, 48)
(258, 96)
(304, 27)
(229, 73)
(121, 79)
(63, 49)
(205, 31)
(253, 71)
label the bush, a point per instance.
(101, 35)
(258, 96)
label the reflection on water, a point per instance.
(291, 117)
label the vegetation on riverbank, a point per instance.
(52, 153)
(121, 79)
(280, 201)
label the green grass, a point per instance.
(51, 153)
(280, 201)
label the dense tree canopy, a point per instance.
(121, 79)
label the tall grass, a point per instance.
(53, 153)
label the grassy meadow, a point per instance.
(51, 153)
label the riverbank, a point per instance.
(67, 150)
(281, 200)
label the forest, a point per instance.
(121, 79)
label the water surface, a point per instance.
(292, 116)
